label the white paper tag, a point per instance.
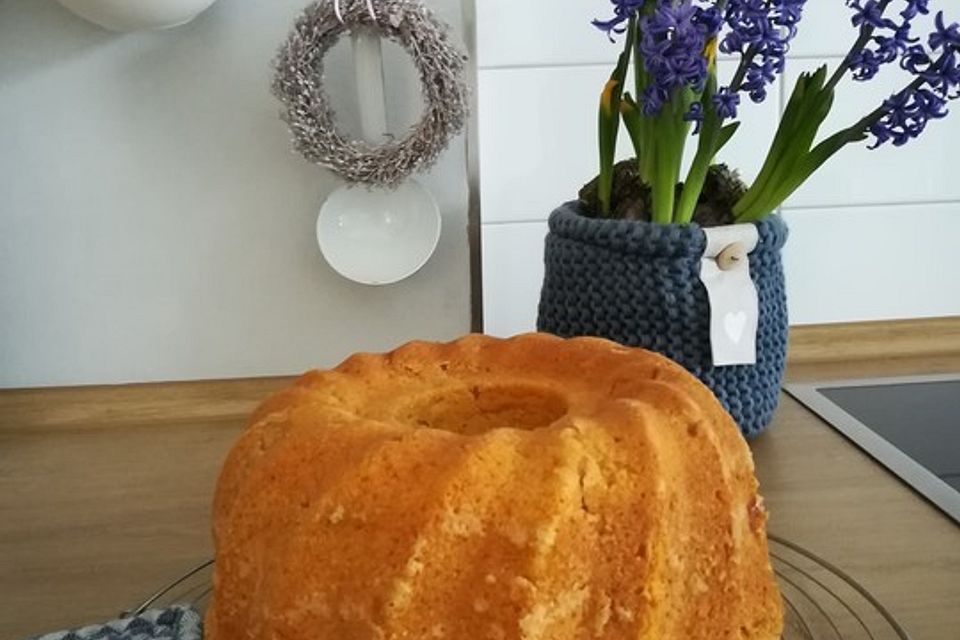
(734, 307)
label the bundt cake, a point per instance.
(525, 489)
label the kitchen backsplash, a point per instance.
(155, 223)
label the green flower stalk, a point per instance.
(713, 136)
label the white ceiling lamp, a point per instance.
(136, 15)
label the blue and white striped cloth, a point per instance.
(175, 623)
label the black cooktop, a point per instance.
(911, 425)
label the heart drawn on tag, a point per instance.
(735, 323)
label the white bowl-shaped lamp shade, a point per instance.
(136, 15)
(378, 236)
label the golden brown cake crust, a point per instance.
(524, 489)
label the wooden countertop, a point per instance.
(105, 493)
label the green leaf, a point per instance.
(609, 121)
(633, 119)
(811, 162)
(809, 105)
(726, 133)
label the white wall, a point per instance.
(154, 223)
(874, 235)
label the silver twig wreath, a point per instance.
(299, 85)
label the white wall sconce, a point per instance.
(137, 15)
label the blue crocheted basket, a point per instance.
(638, 284)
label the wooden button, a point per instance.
(731, 256)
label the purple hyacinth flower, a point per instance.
(726, 102)
(674, 38)
(936, 69)
(623, 10)
(760, 32)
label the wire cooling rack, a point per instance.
(821, 601)
(824, 603)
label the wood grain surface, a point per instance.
(105, 494)
(891, 339)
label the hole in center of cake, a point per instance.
(481, 408)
